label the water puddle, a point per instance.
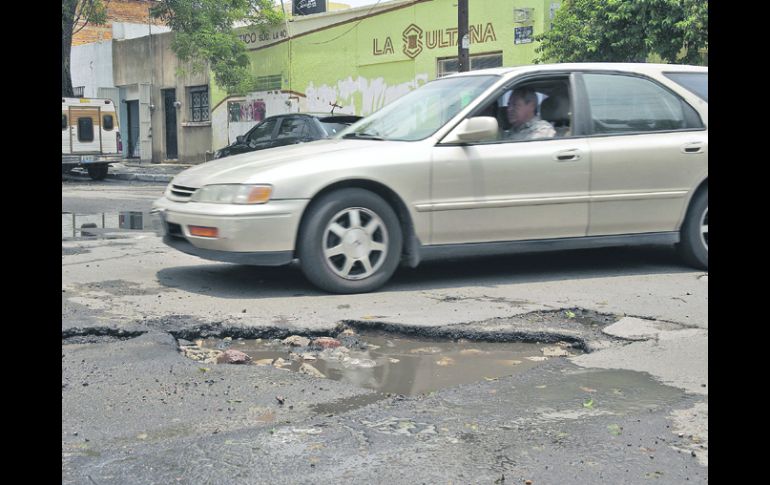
(107, 225)
(386, 362)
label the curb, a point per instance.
(141, 177)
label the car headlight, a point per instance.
(233, 194)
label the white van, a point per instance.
(89, 135)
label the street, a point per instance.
(628, 405)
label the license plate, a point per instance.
(87, 158)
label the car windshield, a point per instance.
(420, 113)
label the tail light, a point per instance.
(120, 142)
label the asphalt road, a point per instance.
(135, 410)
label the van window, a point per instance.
(85, 129)
(107, 122)
(63, 122)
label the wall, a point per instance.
(361, 59)
(131, 11)
(91, 66)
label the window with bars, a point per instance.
(268, 83)
(199, 103)
(449, 65)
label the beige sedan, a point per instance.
(532, 158)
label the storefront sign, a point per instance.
(415, 39)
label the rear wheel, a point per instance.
(350, 242)
(97, 172)
(694, 235)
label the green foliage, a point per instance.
(204, 34)
(675, 31)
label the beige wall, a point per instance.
(151, 60)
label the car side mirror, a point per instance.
(239, 139)
(471, 130)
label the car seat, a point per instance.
(555, 110)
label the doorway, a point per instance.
(169, 100)
(132, 110)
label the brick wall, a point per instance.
(131, 11)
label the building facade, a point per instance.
(167, 110)
(357, 60)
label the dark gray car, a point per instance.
(287, 129)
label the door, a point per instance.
(132, 108)
(512, 189)
(85, 129)
(169, 97)
(649, 150)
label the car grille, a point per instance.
(182, 193)
(175, 230)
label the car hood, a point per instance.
(240, 168)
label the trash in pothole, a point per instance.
(381, 361)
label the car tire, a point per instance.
(693, 243)
(97, 172)
(350, 242)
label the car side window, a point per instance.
(262, 132)
(292, 128)
(534, 110)
(628, 104)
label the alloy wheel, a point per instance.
(355, 243)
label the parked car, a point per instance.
(287, 129)
(432, 175)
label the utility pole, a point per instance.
(463, 42)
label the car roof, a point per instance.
(643, 68)
(316, 115)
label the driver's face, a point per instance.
(519, 111)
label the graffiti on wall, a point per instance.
(373, 93)
(249, 110)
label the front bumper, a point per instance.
(262, 235)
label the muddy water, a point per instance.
(401, 365)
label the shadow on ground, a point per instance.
(237, 281)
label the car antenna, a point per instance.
(334, 105)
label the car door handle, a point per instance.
(694, 147)
(568, 155)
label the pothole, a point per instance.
(383, 361)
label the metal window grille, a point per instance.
(199, 103)
(449, 65)
(268, 83)
(79, 91)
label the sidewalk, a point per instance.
(143, 172)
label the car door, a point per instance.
(649, 150)
(504, 190)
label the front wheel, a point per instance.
(694, 235)
(97, 172)
(350, 242)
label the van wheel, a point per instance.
(350, 242)
(97, 172)
(694, 235)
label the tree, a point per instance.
(204, 33)
(626, 31)
(75, 15)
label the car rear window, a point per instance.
(333, 128)
(697, 82)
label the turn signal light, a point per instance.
(201, 231)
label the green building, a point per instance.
(357, 60)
